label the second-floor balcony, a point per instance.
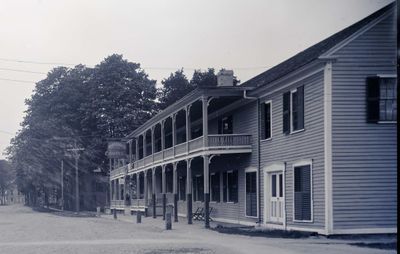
(217, 144)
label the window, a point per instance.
(251, 194)
(182, 188)
(293, 110)
(302, 193)
(266, 123)
(381, 99)
(230, 186)
(215, 187)
(225, 125)
(198, 188)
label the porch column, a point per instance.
(125, 189)
(175, 190)
(205, 120)
(153, 186)
(189, 190)
(152, 142)
(138, 186)
(188, 134)
(162, 138)
(111, 185)
(144, 145)
(206, 175)
(137, 148)
(164, 190)
(173, 131)
(130, 150)
(145, 189)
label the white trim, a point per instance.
(365, 231)
(355, 35)
(386, 75)
(273, 168)
(328, 147)
(251, 170)
(291, 111)
(241, 222)
(298, 164)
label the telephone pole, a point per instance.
(75, 151)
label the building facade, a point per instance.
(308, 145)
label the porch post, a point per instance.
(188, 134)
(164, 191)
(189, 190)
(153, 183)
(173, 132)
(145, 189)
(130, 150)
(152, 142)
(206, 175)
(162, 138)
(137, 148)
(205, 120)
(138, 186)
(144, 145)
(175, 190)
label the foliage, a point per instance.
(6, 176)
(79, 105)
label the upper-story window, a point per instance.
(381, 99)
(266, 120)
(225, 125)
(293, 110)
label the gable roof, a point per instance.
(312, 53)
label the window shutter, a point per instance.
(286, 112)
(372, 99)
(300, 109)
(262, 117)
(302, 195)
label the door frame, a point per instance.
(278, 167)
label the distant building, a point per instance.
(309, 145)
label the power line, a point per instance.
(34, 62)
(18, 80)
(142, 67)
(18, 70)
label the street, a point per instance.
(26, 231)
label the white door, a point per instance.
(276, 197)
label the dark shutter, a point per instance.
(224, 186)
(372, 99)
(268, 120)
(302, 193)
(262, 117)
(286, 113)
(300, 107)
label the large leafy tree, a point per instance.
(174, 88)
(6, 178)
(79, 105)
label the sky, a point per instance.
(247, 36)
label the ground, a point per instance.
(23, 230)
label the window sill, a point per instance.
(265, 140)
(387, 122)
(252, 217)
(303, 221)
(296, 131)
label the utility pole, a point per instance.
(76, 155)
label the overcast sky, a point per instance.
(247, 36)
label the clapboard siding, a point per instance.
(308, 144)
(364, 155)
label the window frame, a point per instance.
(270, 120)
(227, 187)
(292, 131)
(251, 170)
(386, 76)
(300, 164)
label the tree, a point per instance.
(174, 88)
(6, 177)
(82, 105)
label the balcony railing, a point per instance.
(120, 170)
(215, 141)
(229, 140)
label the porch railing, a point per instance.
(229, 140)
(196, 143)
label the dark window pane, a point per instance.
(251, 194)
(215, 193)
(280, 185)
(267, 120)
(286, 112)
(302, 197)
(225, 186)
(273, 186)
